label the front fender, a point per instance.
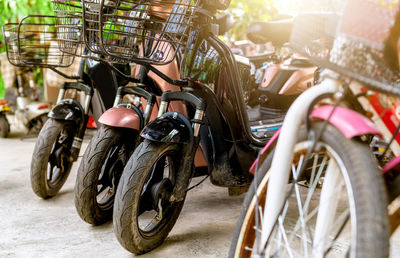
(67, 109)
(170, 127)
(349, 122)
(122, 117)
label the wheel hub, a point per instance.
(161, 191)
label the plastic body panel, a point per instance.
(121, 117)
(68, 109)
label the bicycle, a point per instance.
(330, 155)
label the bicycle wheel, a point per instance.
(99, 172)
(51, 159)
(143, 214)
(336, 209)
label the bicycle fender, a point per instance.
(122, 117)
(349, 122)
(170, 127)
(265, 151)
(67, 109)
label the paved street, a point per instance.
(32, 227)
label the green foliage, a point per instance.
(246, 11)
(14, 11)
(2, 90)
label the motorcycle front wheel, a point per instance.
(337, 208)
(143, 214)
(51, 159)
(99, 172)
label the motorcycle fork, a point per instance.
(78, 138)
(185, 171)
(77, 143)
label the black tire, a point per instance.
(4, 126)
(102, 165)
(131, 200)
(372, 226)
(53, 147)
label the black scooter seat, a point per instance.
(278, 32)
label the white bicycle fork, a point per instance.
(283, 157)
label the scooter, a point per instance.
(213, 138)
(34, 42)
(108, 151)
(118, 136)
(28, 111)
(112, 145)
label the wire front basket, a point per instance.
(143, 32)
(69, 25)
(91, 25)
(353, 40)
(33, 42)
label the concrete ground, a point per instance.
(32, 227)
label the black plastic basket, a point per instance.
(150, 32)
(33, 42)
(352, 40)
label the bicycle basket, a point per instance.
(10, 34)
(69, 25)
(33, 42)
(352, 43)
(150, 32)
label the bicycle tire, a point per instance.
(372, 226)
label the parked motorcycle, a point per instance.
(213, 137)
(93, 89)
(111, 147)
(25, 104)
(59, 143)
(108, 152)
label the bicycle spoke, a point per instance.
(295, 173)
(314, 167)
(282, 218)
(282, 230)
(308, 200)
(314, 184)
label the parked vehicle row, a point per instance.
(193, 108)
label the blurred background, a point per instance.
(244, 11)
